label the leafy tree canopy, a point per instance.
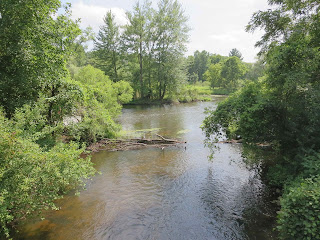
(235, 53)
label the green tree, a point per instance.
(108, 47)
(213, 75)
(216, 58)
(283, 109)
(172, 35)
(100, 106)
(31, 179)
(135, 37)
(235, 53)
(34, 48)
(232, 71)
(79, 56)
(256, 70)
(201, 62)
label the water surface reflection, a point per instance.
(172, 193)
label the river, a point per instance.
(173, 193)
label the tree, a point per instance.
(172, 35)
(283, 109)
(256, 70)
(107, 46)
(232, 70)
(216, 58)
(100, 105)
(235, 53)
(79, 56)
(192, 75)
(31, 178)
(201, 62)
(135, 37)
(213, 75)
(34, 48)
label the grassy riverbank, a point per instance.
(188, 93)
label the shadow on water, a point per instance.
(172, 193)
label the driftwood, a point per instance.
(129, 144)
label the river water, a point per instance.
(173, 193)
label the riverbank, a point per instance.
(189, 93)
(155, 102)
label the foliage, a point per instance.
(30, 122)
(79, 57)
(255, 70)
(34, 47)
(300, 210)
(100, 105)
(231, 71)
(172, 35)
(235, 53)
(226, 73)
(283, 109)
(124, 91)
(244, 114)
(149, 50)
(213, 75)
(44, 105)
(192, 92)
(220, 91)
(216, 58)
(201, 60)
(107, 45)
(31, 178)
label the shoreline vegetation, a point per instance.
(189, 93)
(57, 98)
(282, 108)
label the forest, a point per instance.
(57, 97)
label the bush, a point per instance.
(299, 217)
(31, 178)
(100, 106)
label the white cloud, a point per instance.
(92, 15)
(219, 26)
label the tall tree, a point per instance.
(34, 48)
(201, 63)
(213, 75)
(172, 35)
(135, 37)
(232, 71)
(235, 53)
(107, 46)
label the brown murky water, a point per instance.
(173, 193)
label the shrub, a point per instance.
(31, 178)
(100, 106)
(299, 217)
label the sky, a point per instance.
(217, 26)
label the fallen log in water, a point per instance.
(130, 144)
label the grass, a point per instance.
(200, 91)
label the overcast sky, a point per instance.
(217, 25)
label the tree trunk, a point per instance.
(141, 68)
(49, 117)
(115, 67)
